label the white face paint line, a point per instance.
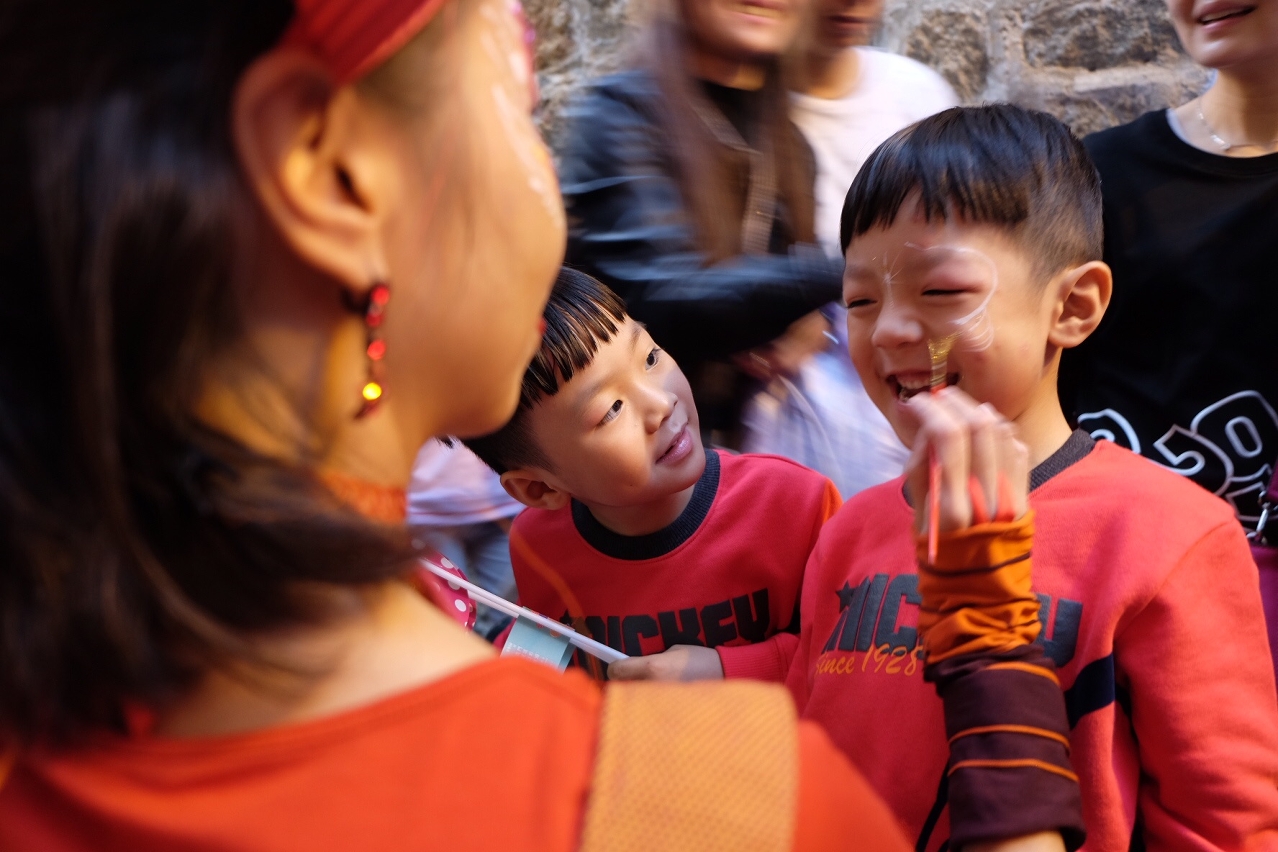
(533, 154)
(504, 42)
(973, 330)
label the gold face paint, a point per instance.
(939, 352)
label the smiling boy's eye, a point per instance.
(947, 285)
(852, 304)
(653, 357)
(612, 413)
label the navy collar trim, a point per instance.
(1075, 449)
(663, 541)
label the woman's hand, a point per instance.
(984, 468)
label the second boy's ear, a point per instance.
(1084, 293)
(529, 488)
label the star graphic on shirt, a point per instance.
(845, 596)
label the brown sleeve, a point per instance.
(1009, 768)
(837, 808)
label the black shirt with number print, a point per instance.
(1184, 367)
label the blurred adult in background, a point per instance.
(250, 253)
(847, 99)
(1182, 367)
(689, 193)
(457, 507)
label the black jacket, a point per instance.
(629, 228)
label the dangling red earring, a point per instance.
(374, 310)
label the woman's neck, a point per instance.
(380, 641)
(1240, 110)
(302, 409)
(830, 75)
(733, 73)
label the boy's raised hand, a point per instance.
(978, 615)
(984, 468)
(975, 590)
(678, 662)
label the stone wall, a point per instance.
(1093, 63)
(577, 40)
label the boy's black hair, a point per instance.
(581, 314)
(997, 164)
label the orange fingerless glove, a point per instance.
(1009, 772)
(977, 597)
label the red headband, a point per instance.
(354, 36)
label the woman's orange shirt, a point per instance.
(498, 756)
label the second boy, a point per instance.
(636, 532)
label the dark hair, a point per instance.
(581, 314)
(702, 165)
(137, 546)
(999, 164)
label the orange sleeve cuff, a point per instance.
(978, 597)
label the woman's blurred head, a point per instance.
(743, 30)
(191, 208)
(1229, 34)
(688, 43)
(472, 262)
(429, 175)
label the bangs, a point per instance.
(581, 314)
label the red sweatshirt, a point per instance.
(726, 574)
(1151, 610)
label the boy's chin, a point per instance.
(906, 432)
(895, 413)
(688, 472)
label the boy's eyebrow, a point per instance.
(922, 259)
(859, 270)
(593, 388)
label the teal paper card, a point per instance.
(527, 639)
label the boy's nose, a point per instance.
(659, 405)
(896, 327)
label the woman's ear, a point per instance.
(529, 488)
(318, 162)
(1083, 295)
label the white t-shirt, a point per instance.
(451, 487)
(892, 92)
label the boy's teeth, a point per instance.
(908, 388)
(905, 390)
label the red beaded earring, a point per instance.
(374, 310)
